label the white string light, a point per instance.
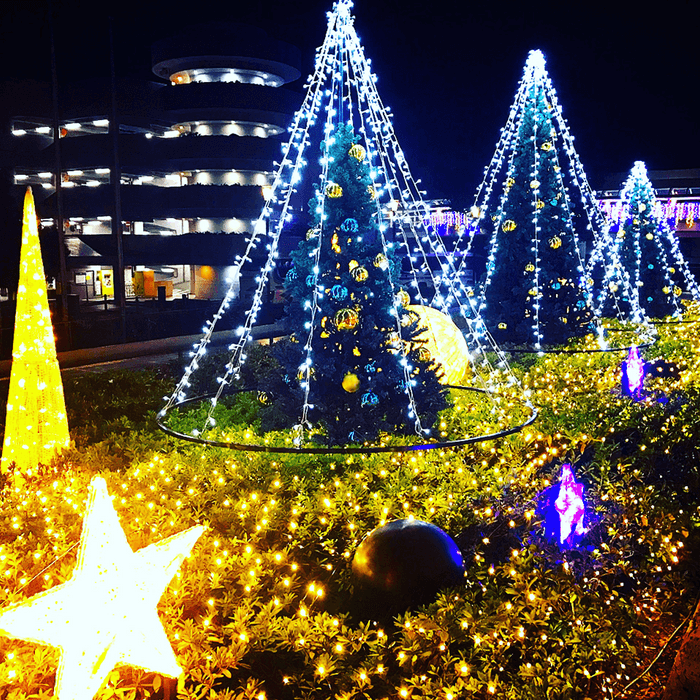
(534, 87)
(343, 86)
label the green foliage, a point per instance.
(266, 605)
(342, 287)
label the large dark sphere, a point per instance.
(405, 563)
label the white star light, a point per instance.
(106, 614)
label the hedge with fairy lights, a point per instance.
(264, 606)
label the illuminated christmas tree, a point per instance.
(535, 290)
(36, 427)
(361, 371)
(641, 252)
(356, 367)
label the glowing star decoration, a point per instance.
(36, 427)
(633, 374)
(570, 506)
(106, 614)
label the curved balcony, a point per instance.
(190, 249)
(145, 202)
(227, 45)
(141, 155)
(236, 102)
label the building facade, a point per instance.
(182, 161)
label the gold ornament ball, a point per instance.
(539, 204)
(444, 342)
(372, 192)
(532, 292)
(509, 225)
(359, 274)
(301, 374)
(312, 233)
(510, 182)
(677, 291)
(403, 297)
(666, 290)
(535, 184)
(381, 262)
(424, 354)
(357, 152)
(502, 326)
(333, 190)
(650, 236)
(530, 267)
(263, 398)
(351, 383)
(334, 244)
(547, 146)
(346, 319)
(555, 242)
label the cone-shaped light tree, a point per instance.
(357, 367)
(36, 427)
(641, 251)
(534, 291)
(359, 371)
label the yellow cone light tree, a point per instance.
(36, 427)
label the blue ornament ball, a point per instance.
(349, 226)
(370, 399)
(292, 275)
(405, 563)
(650, 266)
(309, 280)
(338, 292)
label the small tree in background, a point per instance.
(351, 365)
(534, 290)
(647, 253)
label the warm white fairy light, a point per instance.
(106, 614)
(36, 426)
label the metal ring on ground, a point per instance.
(340, 450)
(590, 351)
(561, 351)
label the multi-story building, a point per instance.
(194, 154)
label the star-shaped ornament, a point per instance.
(106, 614)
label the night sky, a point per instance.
(626, 76)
